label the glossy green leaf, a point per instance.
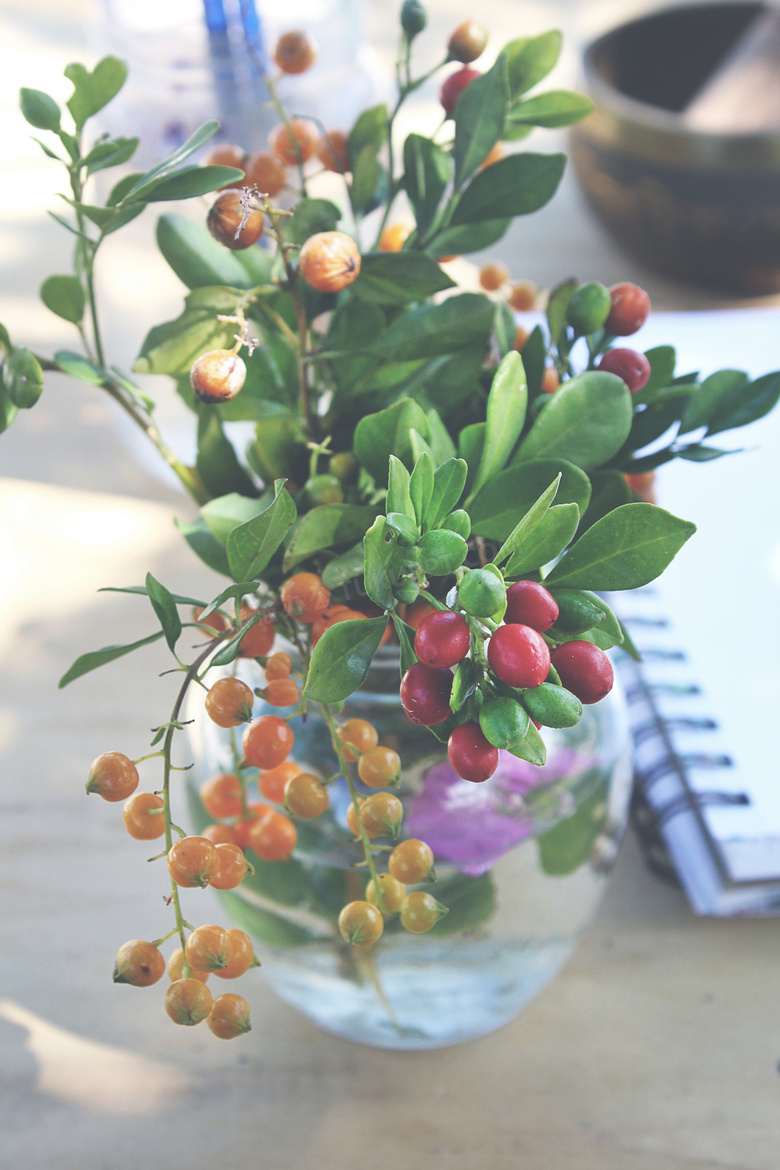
(557, 306)
(327, 526)
(586, 421)
(96, 658)
(386, 433)
(344, 567)
(205, 545)
(507, 496)
(80, 367)
(427, 170)
(216, 462)
(365, 178)
(526, 525)
(662, 361)
(421, 487)
(142, 591)
(667, 408)
(311, 216)
(506, 407)
(8, 411)
(277, 449)
(479, 119)
(434, 329)
(534, 359)
(22, 378)
(441, 442)
(190, 182)
(341, 659)
(552, 534)
(92, 91)
(164, 606)
(515, 185)
(148, 181)
(383, 563)
(448, 380)
(199, 260)
(112, 153)
(398, 495)
(504, 327)
(629, 547)
(39, 109)
(250, 546)
(470, 902)
(171, 348)
(530, 59)
(398, 278)
(224, 514)
(470, 443)
(449, 481)
(370, 129)
(530, 747)
(746, 405)
(406, 641)
(557, 107)
(697, 453)
(468, 237)
(64, 296)
(710, 398)
(609, 491)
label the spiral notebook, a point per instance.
(705, 701)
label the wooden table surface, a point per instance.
(656, 1049)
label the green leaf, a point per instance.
(433, 329)
(662, 361)
(515, 185)
(421, 488)
(147, 182)
(142, 591)
(530, 59)
(479, 120)
(547, 541)
(557, 107)
(64, 296)
(398, 495)
(441, 442)
(199, 261)
(563, 849)
(341, 659)
(468, 237)
(22, 378)
(205, 545)
(586, 421)
(528, 522)
(427, 170)
(366, 173)
(250, 546)
(216, 462)
(609, 491)
(510, 494)
(39, 109)
(406, 641)
(557, 305)
(449, 481)
(190, 182)
(471, 440)
(629, 547)
(506, 407)
(696, 453)
(386, 433)
(504, 327)
(710, 398)
(224, 514)
(92, 91)
(383, 563)
(112, 153)
(80, 367)
(309, 217)
(746, 405)
(171, 348)
(96, 658)
(324, 527)
(530, 747)
(164, 606)
(370, 129)
(397, 278)
(344, 567)
(8, 411)
(534, 358)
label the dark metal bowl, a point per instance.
(703, 207)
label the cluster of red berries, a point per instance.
(518, 661)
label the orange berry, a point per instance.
(192, 861)
(393, 237)
(420, 912)
(380, 767)
(113, 776)
(267, 741)
(493, 275)
(412, 861)
(227, 154)
(215, 621)
(393, 893)
(208, 948)
(221, 795)
(188, 1001)
(282, 140)
(468, 41)
(217, 376)
(220, 834)
(272, 783)
(257, 811)
(266, 172)
(225, 218)
(304, 597)
(381, 815)
(332, 617)
(329, 261)
(278, 665)
(360, 924)
(305, 796)
(141, 818)
(281, 692)
(229, 1016)
(242, 955)
(138, 963)
(360, 733)
(333, 151)
(273, 838)
(259, 639)
(231, 867)
(550, 380)
(295, 52)
(522, 296)
(176, 968)
(229, 703)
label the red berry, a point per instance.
(425, 694)
(470, 754)
(632, 367)
(454, 86)
(442, 639)
(584, 669)
(630, 309)
(529, 604)
(518, 656)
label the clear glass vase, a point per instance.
(521, 862)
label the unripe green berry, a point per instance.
(413, 18)
(345, 467)
(502, 720)
(323, 489)
(589, 307)
(481, 593)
